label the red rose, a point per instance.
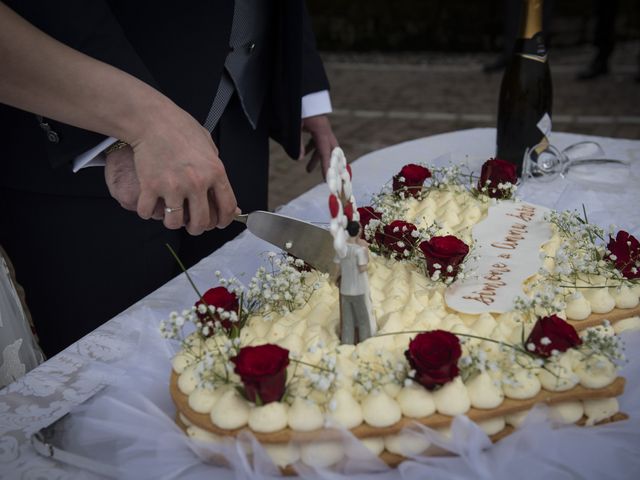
(434, 356)
(551, 333)
(444, 252)
(263, 371)
(497, 171)
(397, 236)
(410, 179)
(366, 215)
(625, 254)
(218, 297)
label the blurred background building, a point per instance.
(452, 25)
(406, 69)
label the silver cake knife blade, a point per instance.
(309, 242)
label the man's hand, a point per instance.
(120, 176)
(322, 142)
(122, 181)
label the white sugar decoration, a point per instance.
(339, 183)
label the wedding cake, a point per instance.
(484, 306)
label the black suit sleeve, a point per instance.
(90, 27)
(314, 78)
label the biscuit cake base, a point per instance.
(614, 316)
(437, 420)
(393, 460)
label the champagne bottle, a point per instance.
(524, 111)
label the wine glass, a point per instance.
(545, 162)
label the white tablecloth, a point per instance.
(130, 421)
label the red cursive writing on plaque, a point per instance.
(493, 283)
(517, 231)
(524, 213)
(515, 234)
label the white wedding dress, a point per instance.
(19, 350)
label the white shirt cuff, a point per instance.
(317, 103)
(93, 157)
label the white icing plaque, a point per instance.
(507, 252)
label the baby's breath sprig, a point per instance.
(386, 203)
(507, 190)
(173, 328)
(215, 368)
(374, 374)
(545, 300)
(281, 287)
(579, 263)
(580, 257)
(597, 341)
(314, 382)
(452, 177)
(474, 361)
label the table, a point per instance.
(129, 356)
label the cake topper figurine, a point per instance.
(357, 322)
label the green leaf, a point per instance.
(240, 390)
(184, 270)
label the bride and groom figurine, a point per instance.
(355, 305)
(352, 254)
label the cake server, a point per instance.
(301, 239)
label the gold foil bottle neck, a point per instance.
(532, 20)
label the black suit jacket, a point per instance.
(179, 47)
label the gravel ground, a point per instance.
(383, 99)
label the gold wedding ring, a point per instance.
(172, 209)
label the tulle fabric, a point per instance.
(131, 425)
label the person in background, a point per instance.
(604, 39)
(175, 105)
